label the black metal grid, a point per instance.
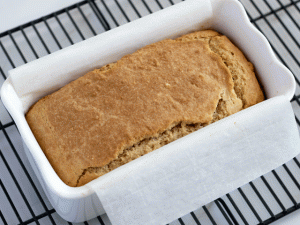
(23, 201)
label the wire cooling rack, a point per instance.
(22, 200)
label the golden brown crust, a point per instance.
(126, 109)
(246, 85)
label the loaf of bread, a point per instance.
(145, 100)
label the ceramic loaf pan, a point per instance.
(30, 82)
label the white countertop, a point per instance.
(291, 219)
(16, 12)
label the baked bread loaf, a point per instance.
(147, 99)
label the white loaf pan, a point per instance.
(28, 83)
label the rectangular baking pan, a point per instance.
(28, 83)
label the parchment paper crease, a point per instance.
(191, 172)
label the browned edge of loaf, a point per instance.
(246, 88)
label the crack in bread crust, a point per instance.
(145, 100)
(246, 85)
(141, 148)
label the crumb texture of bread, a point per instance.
(145, 100)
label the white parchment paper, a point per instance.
(201, 167)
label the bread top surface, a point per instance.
(90, 121)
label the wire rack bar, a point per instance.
(278, 18)
(134, 8)
(52, 34)
(237, 209)
(2, 218)
(19, 188)
(40, 37)
(292, 176)
(249, 204)
(17, 46)
(24, 169)
(63, 28)
(75, 25)
(10, 201)
(100, 220)
(109, 12)
(29, 24)
(297, 7)
(40, 216)
(298, 102)
(86, 20)
(276, 33)
(275, 11)
(181, 222)
(7, 56)
(2, 73)
(195, 218)
(297, 162)
(223, 212)
(261, 199)
(224, 205)
(99, 15)
(121, 9)
(146, 5)
(29, 43)
(284, 187)
(273, 193)
(288, 13)
(209, 215)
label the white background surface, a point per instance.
(292, 219)
(17, 12)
